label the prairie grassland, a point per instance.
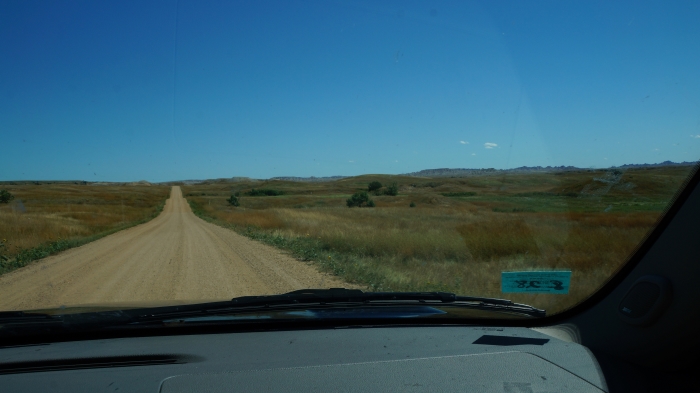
(48, 217)
(462, 233)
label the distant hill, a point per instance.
(441, 172)
(199, 181)
(665, 163)
(138, 183)
(437, 172)
(308, 179)
(461, 172)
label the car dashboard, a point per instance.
(353, 359)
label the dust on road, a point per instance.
(175, 257)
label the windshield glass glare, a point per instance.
(172, 152)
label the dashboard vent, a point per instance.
(34, 366)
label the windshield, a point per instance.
(181, 152)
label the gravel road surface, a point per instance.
(175, 257)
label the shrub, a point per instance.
(458, 194)
(370, 203)
(375, 185)
(358, 199)
(5, 196)
(569, 194)
(512, 210)
(233, 201)
(264, 192)
(3, 250)
(413, 204)
(392, 190)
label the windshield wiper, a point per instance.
(338, 297)
(28, 317)
(17, 323)
(342, 295)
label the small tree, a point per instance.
(358, 199)
(392, 190)
(5, 196)
(264, 192)
(375, 185)
(233, 201)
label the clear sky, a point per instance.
(167, 90)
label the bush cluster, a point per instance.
(373, 186)
(264, 192)
(360, 198)
(233, 201)
(3, 250)
(6, 196)
(376, 186)
(458, 194)
(392, 190)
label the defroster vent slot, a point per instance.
(34, 366)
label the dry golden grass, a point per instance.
(461, 244)
(42, 213)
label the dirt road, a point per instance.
(174, 257)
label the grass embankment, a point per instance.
(44, 219)
(462, 233)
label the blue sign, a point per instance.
(554, 282)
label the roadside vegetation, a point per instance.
(455, 234)
(359, 199)
(233, 201)
(6, 196)
(46, 218)
(264, 192)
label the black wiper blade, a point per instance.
(7, 317)
(342, 295)
(324, 298)
(339, 295)
(19, 323)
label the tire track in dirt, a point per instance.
(176, 257)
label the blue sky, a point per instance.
(166, 90)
